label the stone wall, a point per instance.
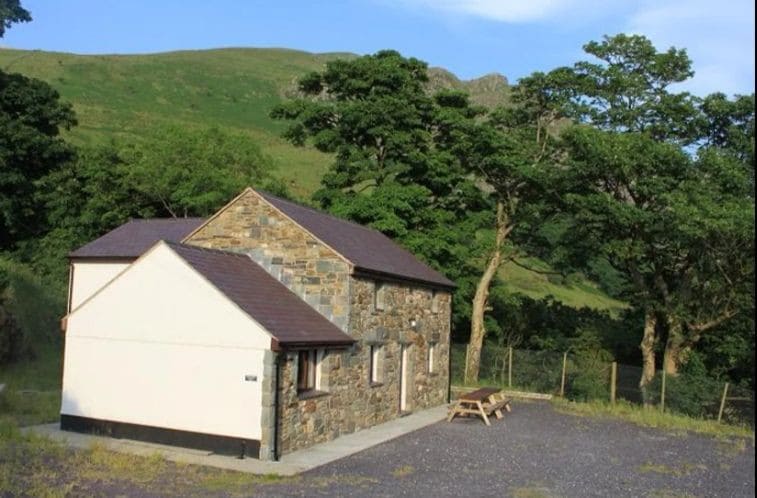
(313, 271)
(349, 402)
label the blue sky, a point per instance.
(469, 37)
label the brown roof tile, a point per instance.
(366, 248)
(133, 238)
(269, 302)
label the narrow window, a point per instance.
(431, 354)
(375, 355)
(434, 302)
(306, 369)
(379, 296)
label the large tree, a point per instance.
(31, 117)
(399, 154)
(508, 154)
(651, 188)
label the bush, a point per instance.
(29, 313)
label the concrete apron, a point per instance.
(289, 464)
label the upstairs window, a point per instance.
(379, 296)
(434, 301)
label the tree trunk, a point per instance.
(675, 348)
(473, 357)
(648, 342)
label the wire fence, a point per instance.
(587, 376)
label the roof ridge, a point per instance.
(212, 250)
(322, 213)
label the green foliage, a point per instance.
(12, 12)
(400, 155)
(32, 310)
(31, 117)
(194, 173)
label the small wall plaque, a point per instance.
(251, 378)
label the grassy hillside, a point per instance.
(234, 88)
(117, 95)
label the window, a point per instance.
(307, 366)
(434, 301)
(379, 296)
(374, 366)
(431, 357)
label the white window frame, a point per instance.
(314, 358)
(374, 365)
(431, 357)
(434, 301)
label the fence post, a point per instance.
(510, 367)
(722, 402)
(662, 389)
(562, 379)
(613, 381)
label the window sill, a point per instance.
(376, 384)
(311, 394)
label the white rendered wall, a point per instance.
(89, 277)
(160, 346)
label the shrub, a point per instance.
(29, 312)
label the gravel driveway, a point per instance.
(537, 452)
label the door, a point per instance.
(403, 377)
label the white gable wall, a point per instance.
(88, 277)
(160, 346)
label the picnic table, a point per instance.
(481, 402)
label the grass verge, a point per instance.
(651, 417)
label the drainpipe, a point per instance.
(277, 363)
(449, 354)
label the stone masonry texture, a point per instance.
(346, 400)
(314, 272)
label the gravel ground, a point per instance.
(537, 452)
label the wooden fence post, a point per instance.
(722, 402)
(562, 379)
(662, 389)
(510, 367)
(613, 381)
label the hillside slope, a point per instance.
(118, 95)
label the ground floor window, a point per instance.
(431, 357)
(306, 370)
(375, 364)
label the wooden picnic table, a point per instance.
(481, 402)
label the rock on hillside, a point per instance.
(489, 90)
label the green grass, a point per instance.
(234, 88)
(577, 292)
(653, 417)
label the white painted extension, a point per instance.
(87, 277)
(160, 346)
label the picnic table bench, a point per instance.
(481, 402)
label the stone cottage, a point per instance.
(263, 329)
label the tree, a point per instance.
(11, 12)
(400, 161)
(510, 149)
(638, 197)
(186, 172)
(175, 172)
(31, 116)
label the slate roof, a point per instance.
(366, 248)
(133, 238)
(269, 302)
